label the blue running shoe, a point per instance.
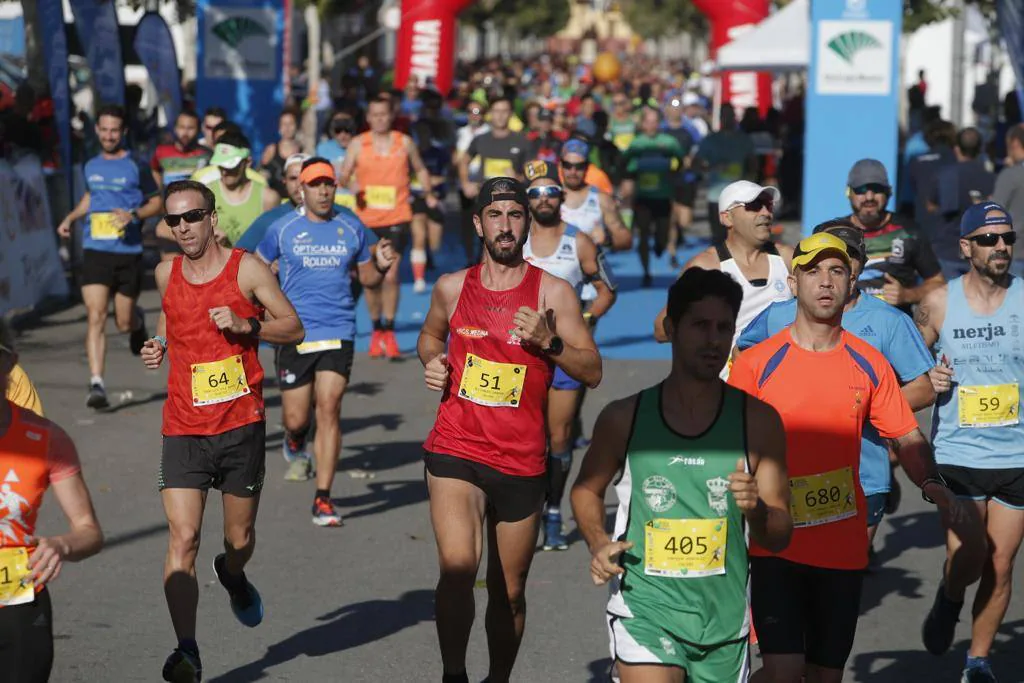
(981, 673)
(183, 667)
(554, 539)
(246, 603)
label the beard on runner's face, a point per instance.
(504, 248)
(546, 213)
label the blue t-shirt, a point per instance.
(314, 260)
(886, 328)
(331, 150)
(254, 234)
(123, 183)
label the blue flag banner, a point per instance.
(155, 48)
(96, 25)
(1011, 23)
(852, 100)
(55, 53)
(240, 62)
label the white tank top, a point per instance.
(564, 262)
(756, 298)
(587, 216)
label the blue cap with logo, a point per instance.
(978, 216)
(576, 146)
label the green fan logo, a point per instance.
(848, 44)
(236, 29)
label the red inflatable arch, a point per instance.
(426, 42)
(742, 89)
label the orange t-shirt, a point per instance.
(383, 181)
(599, 179)
(824, 399)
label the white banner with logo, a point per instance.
(30, 268)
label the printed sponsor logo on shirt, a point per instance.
(659, 493)
(717, 489)
(686, 460)
(303, 237)
(471, 332)
(986, 332)
(513, 338)
(897, 250)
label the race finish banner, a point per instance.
(96, 25)
(240, 63)
(155, 48)
(852, 98)
(30, 268)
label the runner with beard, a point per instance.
(901, 267)
(584, 205)
(490, 342)
(562, 250)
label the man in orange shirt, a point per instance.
(380, 159)
(806, 599)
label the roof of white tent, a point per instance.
(782, 42)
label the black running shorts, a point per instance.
(233, 462)
(120, 273)
(799, 609)
(398, 234)
(1005, 486)
(296, 369)
(26, 641)
(509, 498)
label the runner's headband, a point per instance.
(316, 171)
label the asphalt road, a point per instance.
(356, 603)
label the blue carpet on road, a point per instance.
(625, 333)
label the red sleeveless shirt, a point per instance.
(215, 382)
(493, 409)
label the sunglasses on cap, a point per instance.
(570, 166)
(476, 111)
(876, 188)
(193, 216)
(991, 239)
(544, 191)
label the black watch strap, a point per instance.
(256, 327)
(932, 480)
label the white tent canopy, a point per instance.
(780, 43)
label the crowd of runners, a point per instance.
(750, 482)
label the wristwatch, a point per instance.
(932, 480)
(134, 213)
(555, 346)
(256, 327)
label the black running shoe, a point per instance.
(940, 624)
(138, 337)
(97, 397)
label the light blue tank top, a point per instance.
(977, 423)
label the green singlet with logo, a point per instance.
(687, 571)
(654, 162)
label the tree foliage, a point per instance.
(541, 19)
(658, 18)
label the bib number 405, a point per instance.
(685, 545)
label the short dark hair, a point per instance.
(940, 133)
(1016, 133)
(235, 139)
(115, 110)
(192, 186)
(697, 284)
(189, 114)
(292, 112)
(969, 142)
(501, 98)
(314, 160)
(216, 111)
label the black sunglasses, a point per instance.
(991, 239)
(569, 166)
(759, 203)
(876, 188)
(193, 216)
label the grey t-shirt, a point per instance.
(499, 156)
(1009, 192)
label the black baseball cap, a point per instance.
(500, 189)
(847, 231)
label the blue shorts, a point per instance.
(564, 382)
(876, 508)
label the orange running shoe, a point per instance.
(391, 349)
(377, 344)
(324, 513)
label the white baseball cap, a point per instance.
(743, 192)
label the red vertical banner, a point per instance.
(729, 19)
(426, 42)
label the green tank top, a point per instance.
(654, 162)
(234, 219)
(688, 567)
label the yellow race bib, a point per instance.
(346, 200)
(623, 140)
(323, 345)
(381, 196)
(498, 168)
(685, 548)
(219, 381)
(648, 181)
(496, 385)
(823, 498)
(993, 405)
(15, 587)
(105, 226)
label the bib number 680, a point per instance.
(822, 496)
